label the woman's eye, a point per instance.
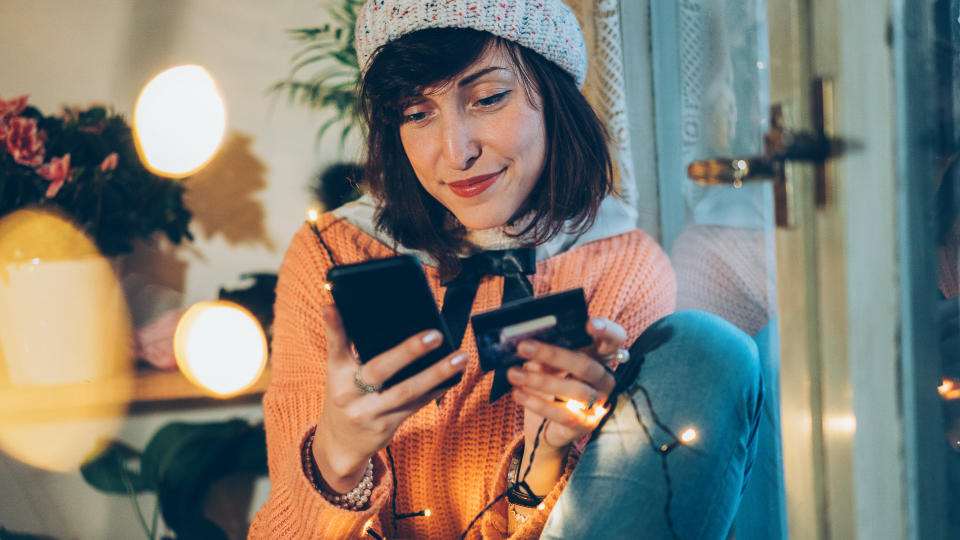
(414, 117)
(492, 100)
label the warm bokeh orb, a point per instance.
(179, 121)
(220, 347)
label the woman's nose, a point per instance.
(461, 146)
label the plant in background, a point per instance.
(179, 464)
(325, 71)
(85, 163)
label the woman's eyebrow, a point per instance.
(474, 76)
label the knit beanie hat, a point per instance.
(546, 26)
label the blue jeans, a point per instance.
(699, 372)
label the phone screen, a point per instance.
(382, 303)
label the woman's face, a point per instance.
(476, 143)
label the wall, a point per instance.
(248, 203)
(252, 197)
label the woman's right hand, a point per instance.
(355, 425)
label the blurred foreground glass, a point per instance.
(65, 334)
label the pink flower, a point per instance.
(109, 163)
(25, 142)
(9, 110)
(57, 171)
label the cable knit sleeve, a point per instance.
(292, 405)
(626, 278)
(640, 288)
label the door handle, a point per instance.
(780, 146)
(735, 171)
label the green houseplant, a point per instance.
(325, 70)
(179, 465)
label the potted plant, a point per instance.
(181, 463)
(325, 70)
(324, 78)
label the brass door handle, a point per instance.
(780, 146)
(731, 171)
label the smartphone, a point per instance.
(383, 302)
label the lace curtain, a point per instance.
(600, 20)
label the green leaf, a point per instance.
(106, 471)
(345, 59)
(344, 134)
(316, 58)
(185, 459)
(315, 47)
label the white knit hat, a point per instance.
(545, 26)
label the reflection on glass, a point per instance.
(64, 341)
(946, 141)
(724, 253)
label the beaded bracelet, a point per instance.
(355, 499)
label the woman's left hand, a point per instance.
(555, 372)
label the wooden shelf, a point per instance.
(110, 397)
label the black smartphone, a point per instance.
(383, 302)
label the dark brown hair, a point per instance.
(577, 172)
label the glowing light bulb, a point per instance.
(328, 286)
(688, 435)
(368, 525)
(575, 405)
(312, 214)
(220, 347)
(541, 506)
(598, 412)
(426, 512)
(179, 120)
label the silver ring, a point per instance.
(622, 356)
(362, 385)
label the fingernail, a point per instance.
(431, 338)
(517, 374)
(527, 347)
(460, 357)
(598, 324)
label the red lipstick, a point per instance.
(471, 187)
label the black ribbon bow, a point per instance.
(514, 265)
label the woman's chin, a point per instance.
(480, 221)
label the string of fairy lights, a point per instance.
(626, 384)
(599, 415)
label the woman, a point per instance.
(481, 147)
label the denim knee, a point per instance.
(696, 371)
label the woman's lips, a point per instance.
(471, 187)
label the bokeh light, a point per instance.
(65, 336)
(179, 121)
(220, 347)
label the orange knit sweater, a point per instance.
(453, 457)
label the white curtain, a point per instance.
(600, 21)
